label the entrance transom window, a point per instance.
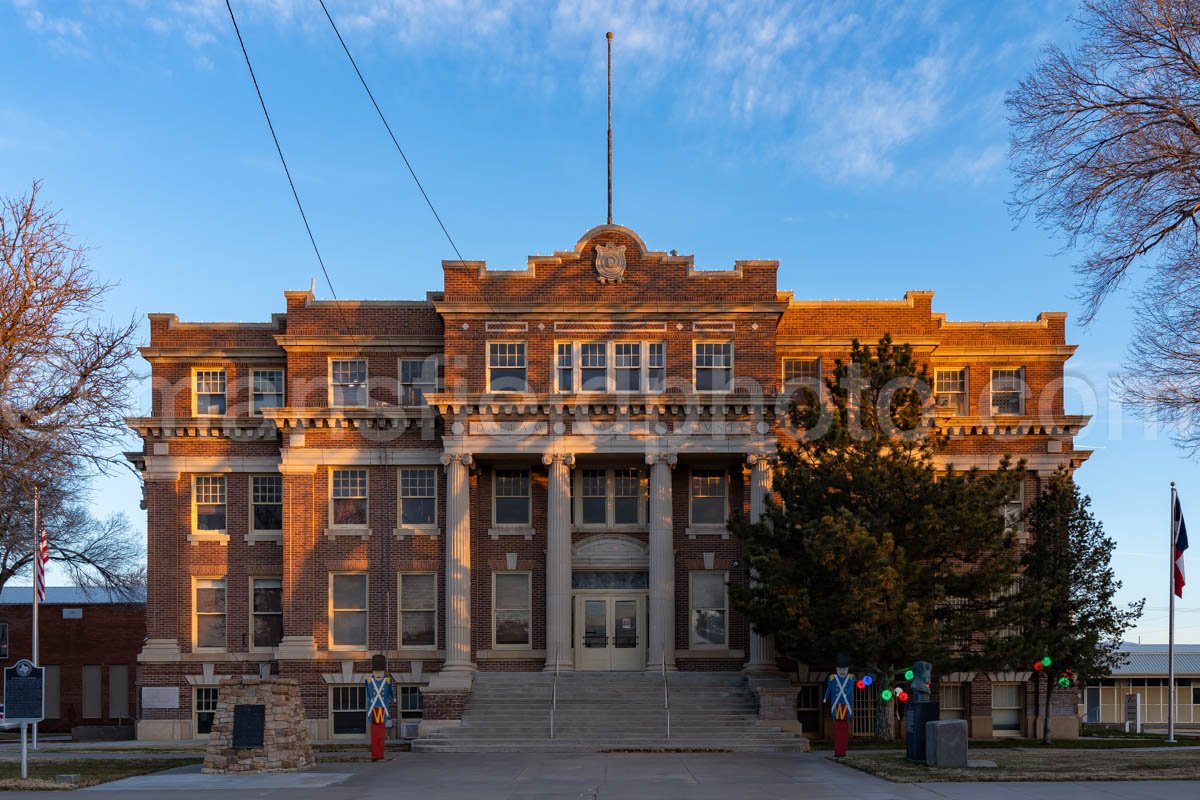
(609, 498)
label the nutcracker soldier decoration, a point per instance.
(839, 693)
(379, 703)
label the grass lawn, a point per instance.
(91, 771)
(1031, 765)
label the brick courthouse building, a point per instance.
(526, 468)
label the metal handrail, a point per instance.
(666, 694)
(554, 693)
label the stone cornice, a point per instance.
(1043, 425)
(578, 405)
(379, 418)
(169, 354)
(603, 311)
(245, 428)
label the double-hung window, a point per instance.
(418, 497)
(208, 504)
(348, 610)
(511, 604)
(507, 368)
(266, 503)
(953, 700)
(418, 609)
(610, 497)
(348, 383)
(266, 389)
(348, 707)
(1008, 395)
(709, 497)
(802, 373)
(209, 603)
(593, 367)
(1013, 510)
(210, 392)
(204, 708)
(511, 497)
(950, 389)
(418, 377)
(603, 367)
(714, 366)
(348, 498)
(709, 609)
(266, 612)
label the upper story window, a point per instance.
(266, 389)
(418, 377)
(348, 498)
(418, 497)
(802, 373)
(266, 503)
(606, 367)
(348, 610)
(208, 503)
(714, 366)
(1008, 395)
(709, 497)
(610, 497)
(511, 497)
(209, 608)
(348, 383)
(507, 368)
(950, 389)
(266, 612)
(210, 392)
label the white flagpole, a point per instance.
(37, 554)
(1171, 632)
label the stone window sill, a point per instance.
(362, 533)
(513, 530)
(693, 531)
(196, 537)
(275, 537)
(714, 653)
(409, 530)
(509, 655)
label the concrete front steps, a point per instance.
(605, 711)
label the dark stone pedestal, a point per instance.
(915, 716)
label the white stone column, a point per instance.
(762, 648)
(661, 646)
(458, 563)
(559, 649)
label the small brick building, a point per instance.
(526, 469)
(89, 640)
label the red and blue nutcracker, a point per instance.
(839, 693)
(379, 704)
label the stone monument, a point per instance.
(258, 726)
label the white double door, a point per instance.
(610, 632)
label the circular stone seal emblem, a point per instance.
(610, 263)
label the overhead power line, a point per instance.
(286, 171)
(395, 141)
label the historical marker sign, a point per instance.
(24, 692)
(249, 725)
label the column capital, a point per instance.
(764, 459)
(564, 458)
(670, 459)
(462, 458)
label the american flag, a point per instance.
(1179, 538)
(40, 558)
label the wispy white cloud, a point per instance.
(835, 87)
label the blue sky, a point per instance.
(863, 145)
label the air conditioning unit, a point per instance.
(408, 730)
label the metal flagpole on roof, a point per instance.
(1171, 628)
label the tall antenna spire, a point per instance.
(609, 127)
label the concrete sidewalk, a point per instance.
(602, 776)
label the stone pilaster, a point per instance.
(662, 564)
(762, 648)
(559, 650)
(458, 563)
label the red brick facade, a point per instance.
(468, 429)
